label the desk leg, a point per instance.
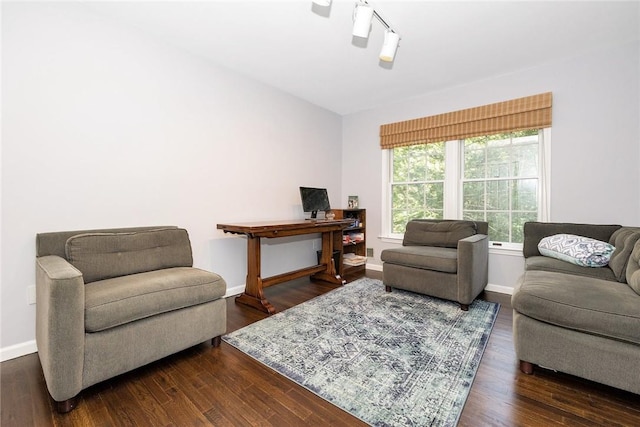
(253, 294)
(330, 240)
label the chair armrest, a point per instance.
(60, 325)
(473, 267)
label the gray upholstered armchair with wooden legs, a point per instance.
(446, 259)
(109, 301)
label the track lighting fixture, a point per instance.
(389, 46)
(362, 17)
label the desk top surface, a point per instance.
(291, 224)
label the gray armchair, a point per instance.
(446, 259)
(109, 301)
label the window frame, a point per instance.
(453, 188)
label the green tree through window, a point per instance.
(417, 189)
(498, 181)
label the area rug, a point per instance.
(388, 358)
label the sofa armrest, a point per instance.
(473, 270)
(60, 325)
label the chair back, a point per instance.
(441, 233)
(53, 243)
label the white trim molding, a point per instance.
(18, 350)
(374, 267)
(500, 289)
(22, 349)
(235, 290)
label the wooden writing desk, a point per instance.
(331, 231)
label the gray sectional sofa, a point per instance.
(109, 301)
(584, 321)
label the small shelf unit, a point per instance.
(353, 242)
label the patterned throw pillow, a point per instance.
(577, 250)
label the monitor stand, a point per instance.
(313, 217)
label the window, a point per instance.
(417, 187)
(496, 178)
(500, 182)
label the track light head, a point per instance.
(362, 16)
(362, 20)
(390, 45)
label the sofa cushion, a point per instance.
(441, 233)
(634, 282)
(102, 256)
(606, 308)
(425, 257)
(579, 250)
(624, 240)
(544, 263)
(633, 269)
(535, 231)
(120, 300)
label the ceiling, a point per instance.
(308, 51)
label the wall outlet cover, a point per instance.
(31, 294)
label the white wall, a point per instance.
(595, 149)
(105, 127)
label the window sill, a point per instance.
(391, 239)
(510, 250)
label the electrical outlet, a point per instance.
(31, 294)
(370, 252)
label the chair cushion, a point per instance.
(116, 301)
(102, 256)
(425, 257)
(441, 233)
(606, 308)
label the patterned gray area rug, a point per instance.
(390, 359)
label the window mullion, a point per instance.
(452, 180)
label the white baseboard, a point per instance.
(499, 289)
(18, 350)
(29, 347)
(22, 349)
(235, 290)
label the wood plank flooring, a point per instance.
(204, 386)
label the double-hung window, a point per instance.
(498, 177)
(417, 183)
(501, 182)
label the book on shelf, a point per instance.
(353, 259)
(353, 238)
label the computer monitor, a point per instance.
(314, 200)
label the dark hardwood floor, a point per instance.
(223, 387)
